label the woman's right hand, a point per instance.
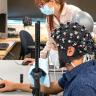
(28, 61)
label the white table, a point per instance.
(11, 70)
(16, 93)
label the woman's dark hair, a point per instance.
(58, 1)
(50, 18)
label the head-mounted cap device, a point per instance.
(73, 34)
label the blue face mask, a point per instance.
(47, 10)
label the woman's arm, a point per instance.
(50, 44)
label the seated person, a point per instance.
(73, 42)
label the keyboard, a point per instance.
(4, 46)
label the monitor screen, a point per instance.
(2, 23)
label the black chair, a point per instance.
(26, 40)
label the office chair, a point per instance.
(26, 40)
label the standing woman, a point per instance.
(56, 11)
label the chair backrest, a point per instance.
(26, 40)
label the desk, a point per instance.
(12, 42)
(16, 93)
(11, 70)
(3, 53)
(10, 39)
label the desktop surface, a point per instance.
(16, 93)
(11, 70)
(4, 46)
(3, 53)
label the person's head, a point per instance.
(48, 7)
(41, 3)
(73, 41)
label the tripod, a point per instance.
(37, 72)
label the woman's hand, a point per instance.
(29, 61)
(9, 86)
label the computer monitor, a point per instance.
(3, 25)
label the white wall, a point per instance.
(3, 9)
(3, 6)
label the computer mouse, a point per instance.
(2, 85)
